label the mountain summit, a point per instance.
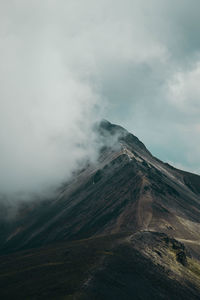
(125, 227)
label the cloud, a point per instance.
(184, 90)
(47, 112)
(67, 64)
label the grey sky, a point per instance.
(65, 64)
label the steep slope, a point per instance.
(124, 222)
(126, 190)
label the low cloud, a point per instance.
(184, 90)
(47, 111)
(67, 64)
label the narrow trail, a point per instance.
(145, 205)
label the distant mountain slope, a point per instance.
(153, 208)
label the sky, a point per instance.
(67, 64)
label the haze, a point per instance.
(67, 64)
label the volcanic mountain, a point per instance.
(124, 227)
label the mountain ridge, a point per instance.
(143, 177)
(130, 202)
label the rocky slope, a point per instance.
(138, 216)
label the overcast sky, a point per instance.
(65, 64)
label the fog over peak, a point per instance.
(47, 113)
(42, 141)
(65, 65)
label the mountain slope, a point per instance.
(144, 265)
(144, 212)
(127, 189)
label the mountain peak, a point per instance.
(121, 136)
(138, 210)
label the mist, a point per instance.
(47, 111)
(65, 65)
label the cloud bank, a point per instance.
(47, 110)
(67, 64)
